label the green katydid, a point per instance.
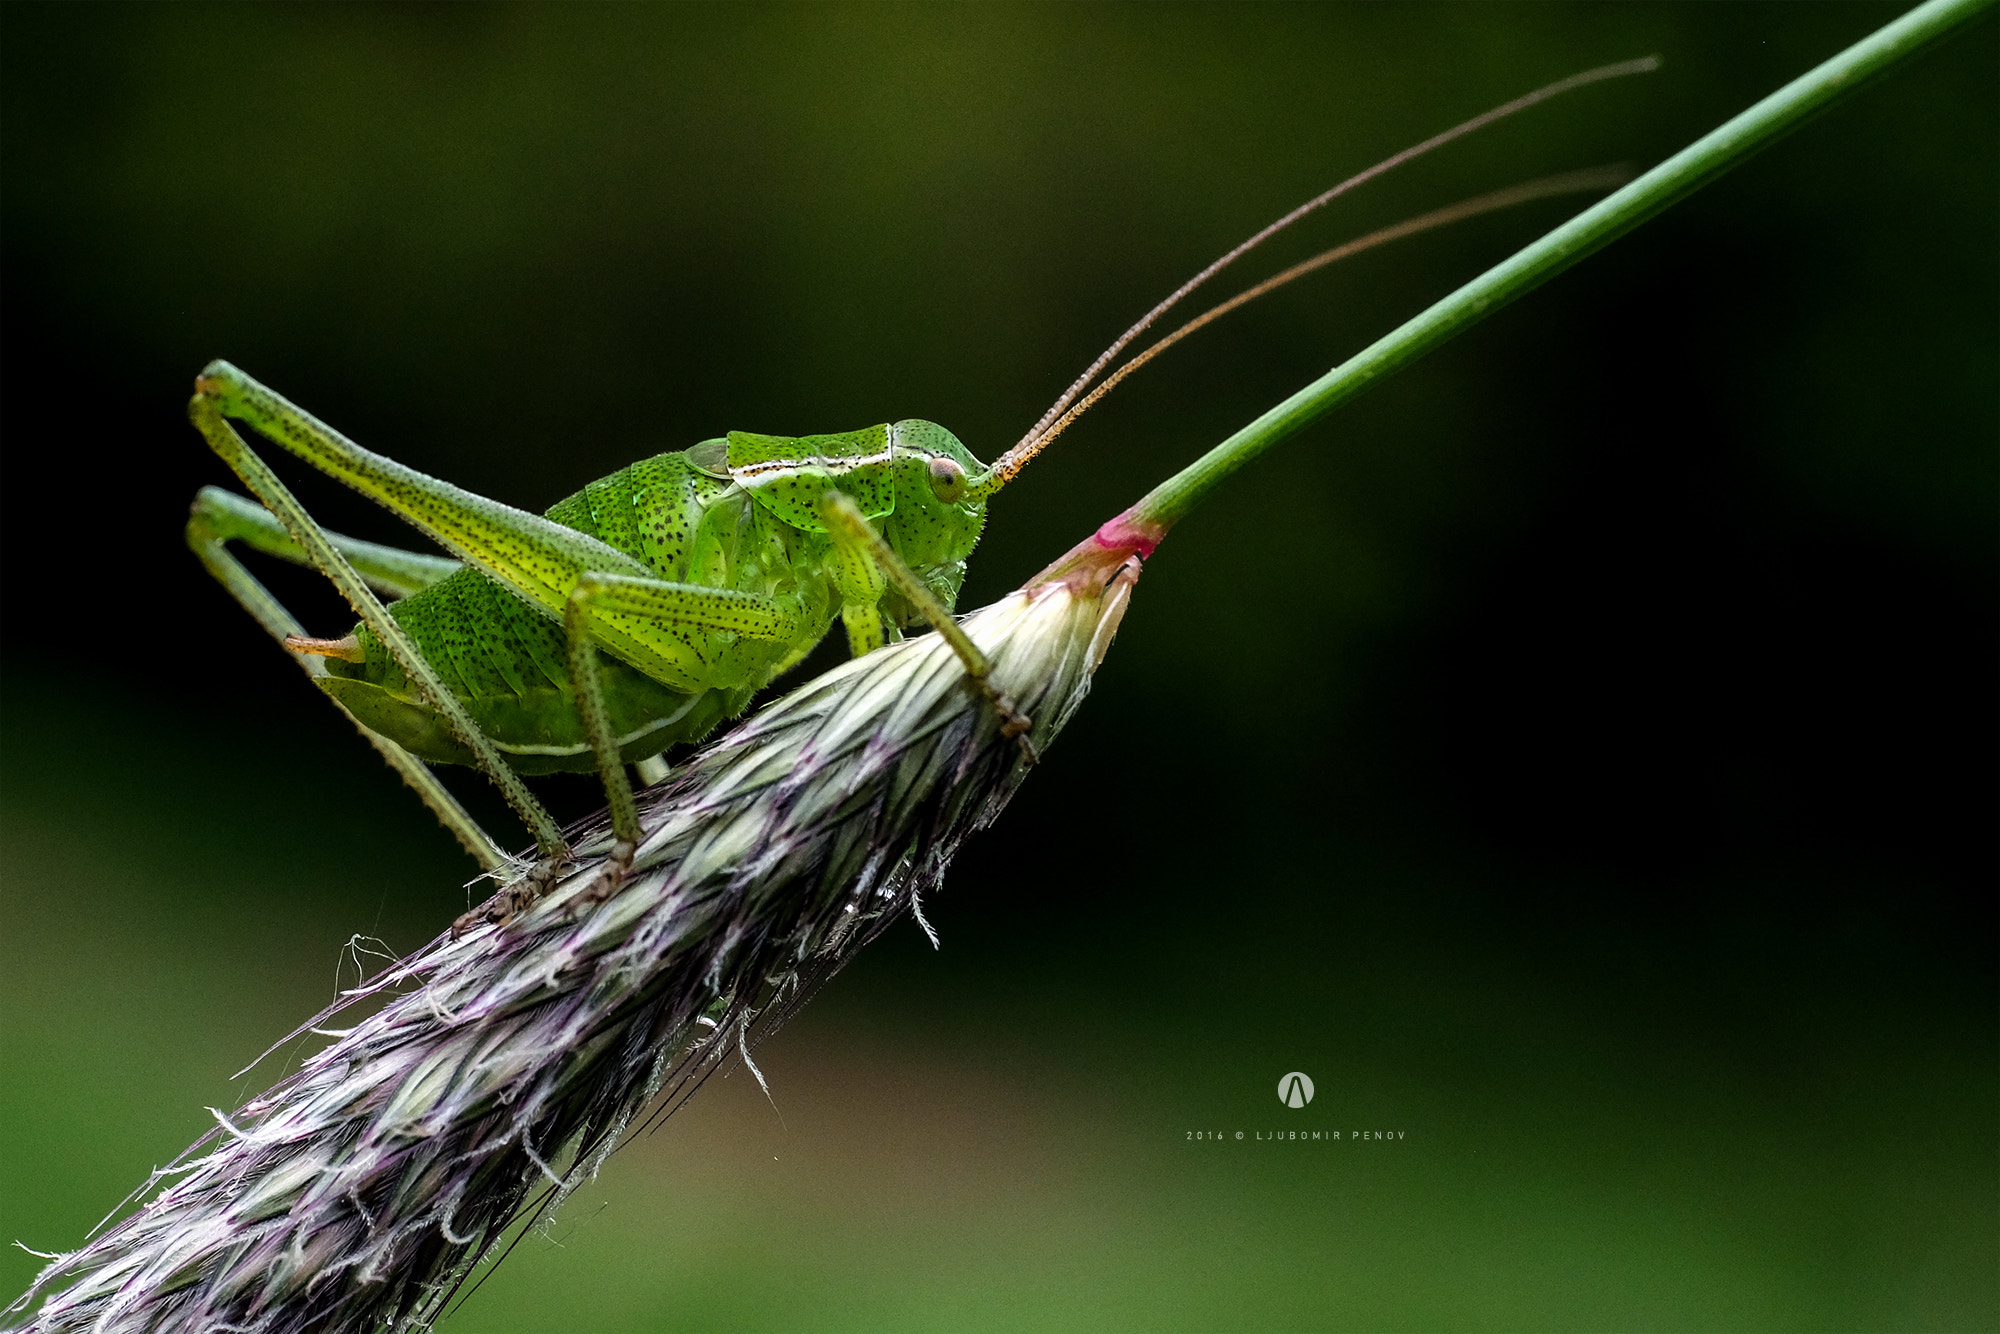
(703, 573)
(654, 603)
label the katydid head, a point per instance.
(938, 518)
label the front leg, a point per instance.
(861, 550)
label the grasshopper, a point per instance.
(640, 612)
(653, 604)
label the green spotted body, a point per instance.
(739, 513)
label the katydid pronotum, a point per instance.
(654, 603)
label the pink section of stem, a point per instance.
(1129, 536)
(1098, 557)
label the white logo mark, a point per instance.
(1295, 1089)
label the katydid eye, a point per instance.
(947, 480)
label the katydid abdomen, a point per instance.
(511, 673)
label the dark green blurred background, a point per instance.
(1575, 756)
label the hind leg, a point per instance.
(217, 518)
(206, 412)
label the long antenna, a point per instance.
(1574, 182)
(1013, 460)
